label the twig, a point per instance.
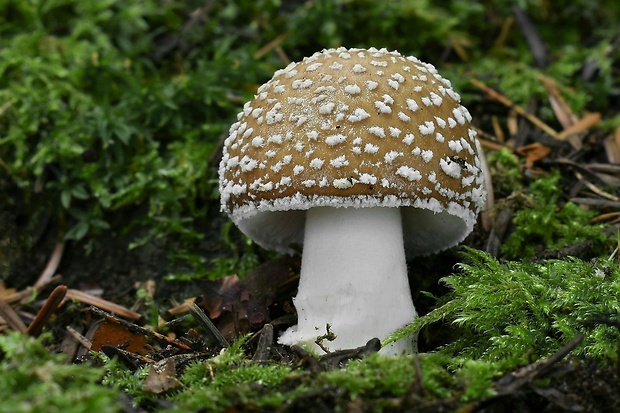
(307, 359)
(206, 322)
(11, 317)
(512, 382)
(605, 167)
(541, 368)
(599, 203)
(51, 267)
(271, 45)
(508, 103)
(44, 314)
(338, 358)
(585, 169)
(265, 341)
(606, 217)
(131, 360)
(532, 38)
(596, 189)
(580, 126)
(176, 311)
(485, 143)
(497, 129)
(79, 337)
(22, 295)
(106, 305)
(562, 110)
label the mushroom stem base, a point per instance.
(354, 278)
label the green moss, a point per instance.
(383, 381)
(380, 381)
(547, 224)
(504, 168)
(512, 312)
(33, 380)
(93, 112)
(228, 379)
(113, 109)
(221, 385)
(373, 377)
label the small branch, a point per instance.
(79, 337)
(512, 382)
(532, 37)
(265, 341)
(11, 317)
(508, 103)
(44, 314)
(106, 305)
(595, 188)
(202, 319)
(51, 267)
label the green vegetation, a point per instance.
(502, 316)
(230, 376)
(33, 380)
(513, 312)
(109, 106)
(546, 224)
(507, 177)
(94, 121)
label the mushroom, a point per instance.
(361, 156)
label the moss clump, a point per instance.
(389, 380)
(215, 384)
(514, 312)
(33, 380)
(547, 224)
(504, 168)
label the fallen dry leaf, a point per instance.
(106, 333)
(580, 126)
(533, 153)
(240, 305)
(160, 381)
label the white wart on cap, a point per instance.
(354, 128)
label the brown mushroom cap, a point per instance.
(354, 128)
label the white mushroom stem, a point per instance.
(353, 277)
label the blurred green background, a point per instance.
(112, 111)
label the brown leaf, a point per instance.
(106, 333)
(218, 296)
(241, 305)
(264, 284)
(533, 153)
(160, 381)
(612, 149)
(562, 111)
